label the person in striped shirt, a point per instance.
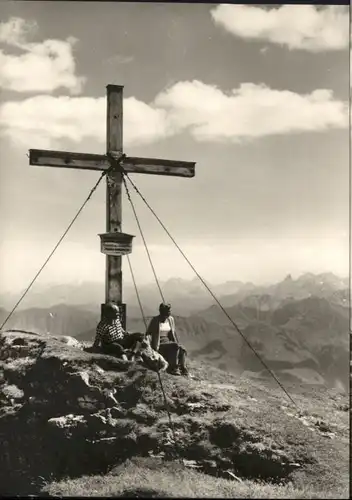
(112, 337)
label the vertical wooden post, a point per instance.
(114, 126)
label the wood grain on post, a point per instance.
(113, 282)
(131, 164)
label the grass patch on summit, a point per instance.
(148, 478)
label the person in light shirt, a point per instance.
(162, 331)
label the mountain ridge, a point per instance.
(311, 333)
(186, 296)
(299, 326)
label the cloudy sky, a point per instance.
(256, 96)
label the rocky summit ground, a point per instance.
(79, 423)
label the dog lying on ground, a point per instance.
(143, 352)
(151, 359)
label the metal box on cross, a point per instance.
(116, 243)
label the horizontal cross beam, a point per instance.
(131, 164)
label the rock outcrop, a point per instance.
(65, 412)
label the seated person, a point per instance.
(112, 337)
(163, 339)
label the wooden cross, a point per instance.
(85, 161)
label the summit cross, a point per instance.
(114, 152)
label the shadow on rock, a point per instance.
(141, 493)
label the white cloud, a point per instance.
(45, 121)
(40, 67)
(144, 123)
(304, 27)
(204, 111)
(15, 31)
(249, 111)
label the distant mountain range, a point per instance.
(186, 296)
(299, 327)
(307, 285)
